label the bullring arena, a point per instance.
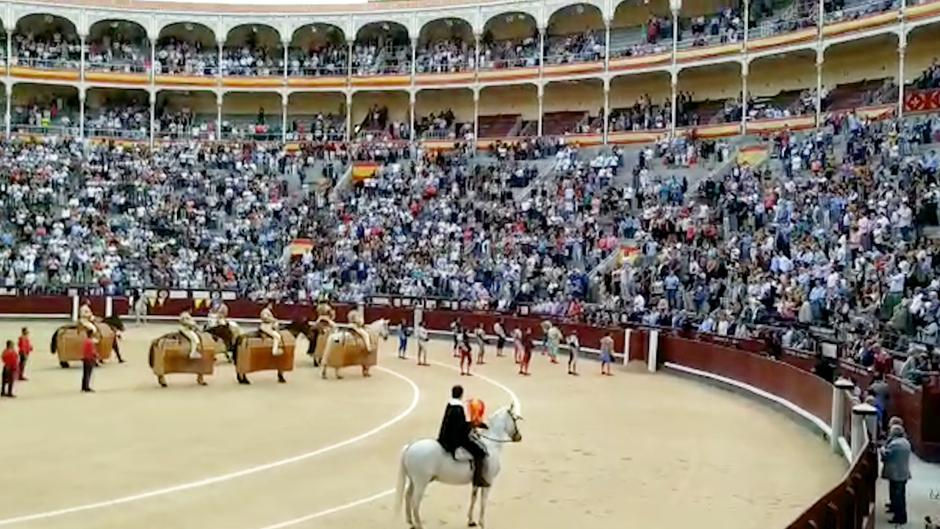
(324, 453)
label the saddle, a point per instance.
(344, 333)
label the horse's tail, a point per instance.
(153, 350)
(52, 345)
(400, 484)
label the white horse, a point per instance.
(424, 461)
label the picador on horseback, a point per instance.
(457, 432)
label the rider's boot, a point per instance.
(478, 468)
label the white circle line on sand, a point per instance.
(356, 503)
(415, 397)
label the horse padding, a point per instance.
(69, 340)
(348, 349)
(254, 353)
(170, 354)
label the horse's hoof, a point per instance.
(162, 382)
(472, 524)
(64, 365)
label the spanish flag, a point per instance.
(301, 246)
(364, 170)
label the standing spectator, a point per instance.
(480, 336)
(526, 345)
(896, 457)
(607, 354)
(25, 347)
(10, 368)
(403, 332)
(500, 333)
(422, 333)
(574, 351)
(89, 360)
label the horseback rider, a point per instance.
(86, 319)
(269, 327)
(456, 432)
(218, 313)
(357, 321)
(188, 327)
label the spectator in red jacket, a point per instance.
(11, 365)
(25, 347)
(89, 359)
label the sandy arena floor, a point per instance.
(634, 450)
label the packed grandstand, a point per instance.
(713, 165)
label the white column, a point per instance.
(285, 98)
(8, 114)
(626, 345)
(541, 51)
(674, 86)
(819, 71)
(476, 116)
(902, 46)
(349, 98)
(606, 110)
(747, 22)
(349, 58)
(74, 306)
(412, 96)
(152, 74)
(414, 60)
(219, 74)
(861, 414)
(9, 31)
(153, 116)
(652, 351)
(606, 44)
(81, 63)
(476, 60)
(286, 44)
(218, 115)
(674, 7)
(541, 93)
(744, 71)
(840, 393)
(81, 112)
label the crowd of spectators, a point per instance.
(381, 58)
(252, 60)
(326, 60)
(122, 120)
(43, 116)
(114, 54)
(180, 57)
(578, 47)
(446, 56)
(318, 128)
(643, 115)
(929, 79)
(723, 27)
(53, 50)
(496, 54)
(829, 232)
